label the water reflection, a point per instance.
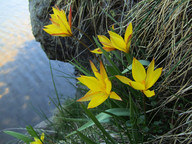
(25, 78)
(7, 57)
(26, 83)
(6, 91)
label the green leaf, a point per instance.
(31, 131)
(110, 70)
(80, 67)
(143, 62)
(104, 117)
(119, 111)
(19, 136)
(129, 58)
(85, 138)
(73, 119)
(98, 124)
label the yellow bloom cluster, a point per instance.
(116, 41)
(143, 81)
(100, 86)
(60, 25)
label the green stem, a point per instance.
(132, 116)
(144, 107)
(98, 124)
(129, 58)
(55, 88)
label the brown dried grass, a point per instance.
(163, 30)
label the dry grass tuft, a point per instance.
(163, 30)
(91, 17)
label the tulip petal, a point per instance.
(88, 96)
(37, 141)
(137, 85)
(150, 71)
(149, 93)
(105, 41)
(117, 41)
(102, 71)
(97, 51)
(59, 26)
(42, 136)
(60, 14)
(63, 19)
(123, 79)
(128, 33)
(108, 85)
(98, 100)
(138, 71)
(70, 17)
(113, 95)
(151, 67)
(113, 27)
(64, 25)
(55, 30)
(108, 49)
(95, 70)
(133, 84)
(128, 46)
(154, 76)
(91, 82)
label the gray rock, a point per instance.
(56, 48)
(91, 20)
(39, 17)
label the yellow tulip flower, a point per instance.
(100, 87)
(60, 25)
(107, 45)
(38, 141)
(143, 81)
(116, 41)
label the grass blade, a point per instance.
(31, 131)
(98, 124)
(85, 138)
(104, 117)
(19, 136)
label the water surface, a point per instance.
(25, 78)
